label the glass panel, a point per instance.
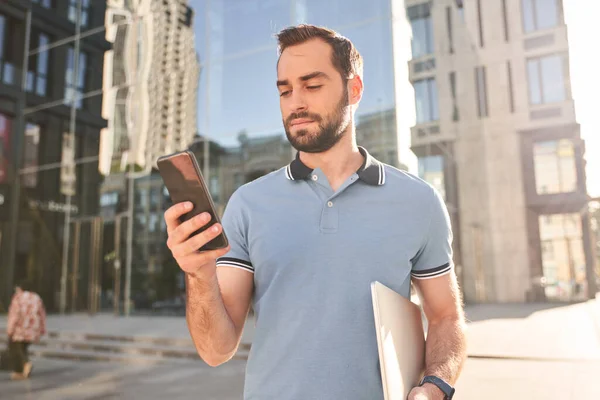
(340, 14)
(421, 101)
(30, 160)
(2, 25)
(419, 37)
(30, 81)
(5, 146)
(81, 70)
(533, 77)
(566, 166)
(41, 86)
(563, 258)
(528, 17)
(9, 74)
(546, 13)
(73, 14)
(42, 58)
(431, 170)
(553, 79)
(433, 100)
(546, 168)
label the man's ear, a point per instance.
(355, 90)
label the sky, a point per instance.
(584, 33)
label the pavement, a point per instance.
(516, 351)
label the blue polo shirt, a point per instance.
(314, 252)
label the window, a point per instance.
(505, 20)
(455, 116)
(546, 80)
(450, 33)
(422, 30)
(539, 14)
(85, 10)
(37, 76)
(479, 23)
(152, 222)
(30, 157)
(563, 258)
(554, 167)
(9, 50)
(68, 173)
(481, 84)
(74, 88)
(43, 3)
(5, 151)
(431, 170)
(511, 95)
(426, 100)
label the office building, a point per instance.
(496, 133)
(51, 88)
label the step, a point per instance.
(150, 340)
(110, 350)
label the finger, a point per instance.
(173, 214)
(186, 229)
(194, 243)
(193, 262)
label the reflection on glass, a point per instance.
(426, 100)
(5, 143)
(539, 14)
(431, 170)
(563, 259)
(30, 160)
(422, 40)
(554, 164)
(546, 80)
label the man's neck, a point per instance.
(337, 163)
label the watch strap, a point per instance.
(441, 384)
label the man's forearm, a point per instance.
(445, 349)
(212, 330)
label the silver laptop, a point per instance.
(400, 339)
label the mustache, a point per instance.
(304, 114)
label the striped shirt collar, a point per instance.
(371, 171)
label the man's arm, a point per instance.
(445, 347)
(216, 310)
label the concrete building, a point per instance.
(496, 133)
(151, 81)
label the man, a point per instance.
(306, 241)
(26, 324)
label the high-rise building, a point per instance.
(496, 133)
(151, 80)
(50, 141)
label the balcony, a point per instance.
(422, 67)
(430, 132)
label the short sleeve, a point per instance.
(434, 257)
(235, 226)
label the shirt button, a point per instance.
(314, 177)
(329, 204)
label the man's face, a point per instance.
(313, 97)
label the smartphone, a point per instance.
(184, 181)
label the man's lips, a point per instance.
(298, 122)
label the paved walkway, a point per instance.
(546, 331)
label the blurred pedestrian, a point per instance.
(307, 240)
(26, 324)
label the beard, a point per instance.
(330, 131)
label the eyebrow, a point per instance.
(312, 75)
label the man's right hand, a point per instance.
(185, 248)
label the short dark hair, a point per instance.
(24, 284)
(345, 58)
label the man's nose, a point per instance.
(298, 102)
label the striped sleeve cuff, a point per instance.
(433, 272)
(235, 263)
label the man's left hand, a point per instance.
(426, 392)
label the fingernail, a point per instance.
(215, 228)
(188, 205)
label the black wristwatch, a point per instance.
(441, 384)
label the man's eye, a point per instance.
(282, 94)
(313, 87)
